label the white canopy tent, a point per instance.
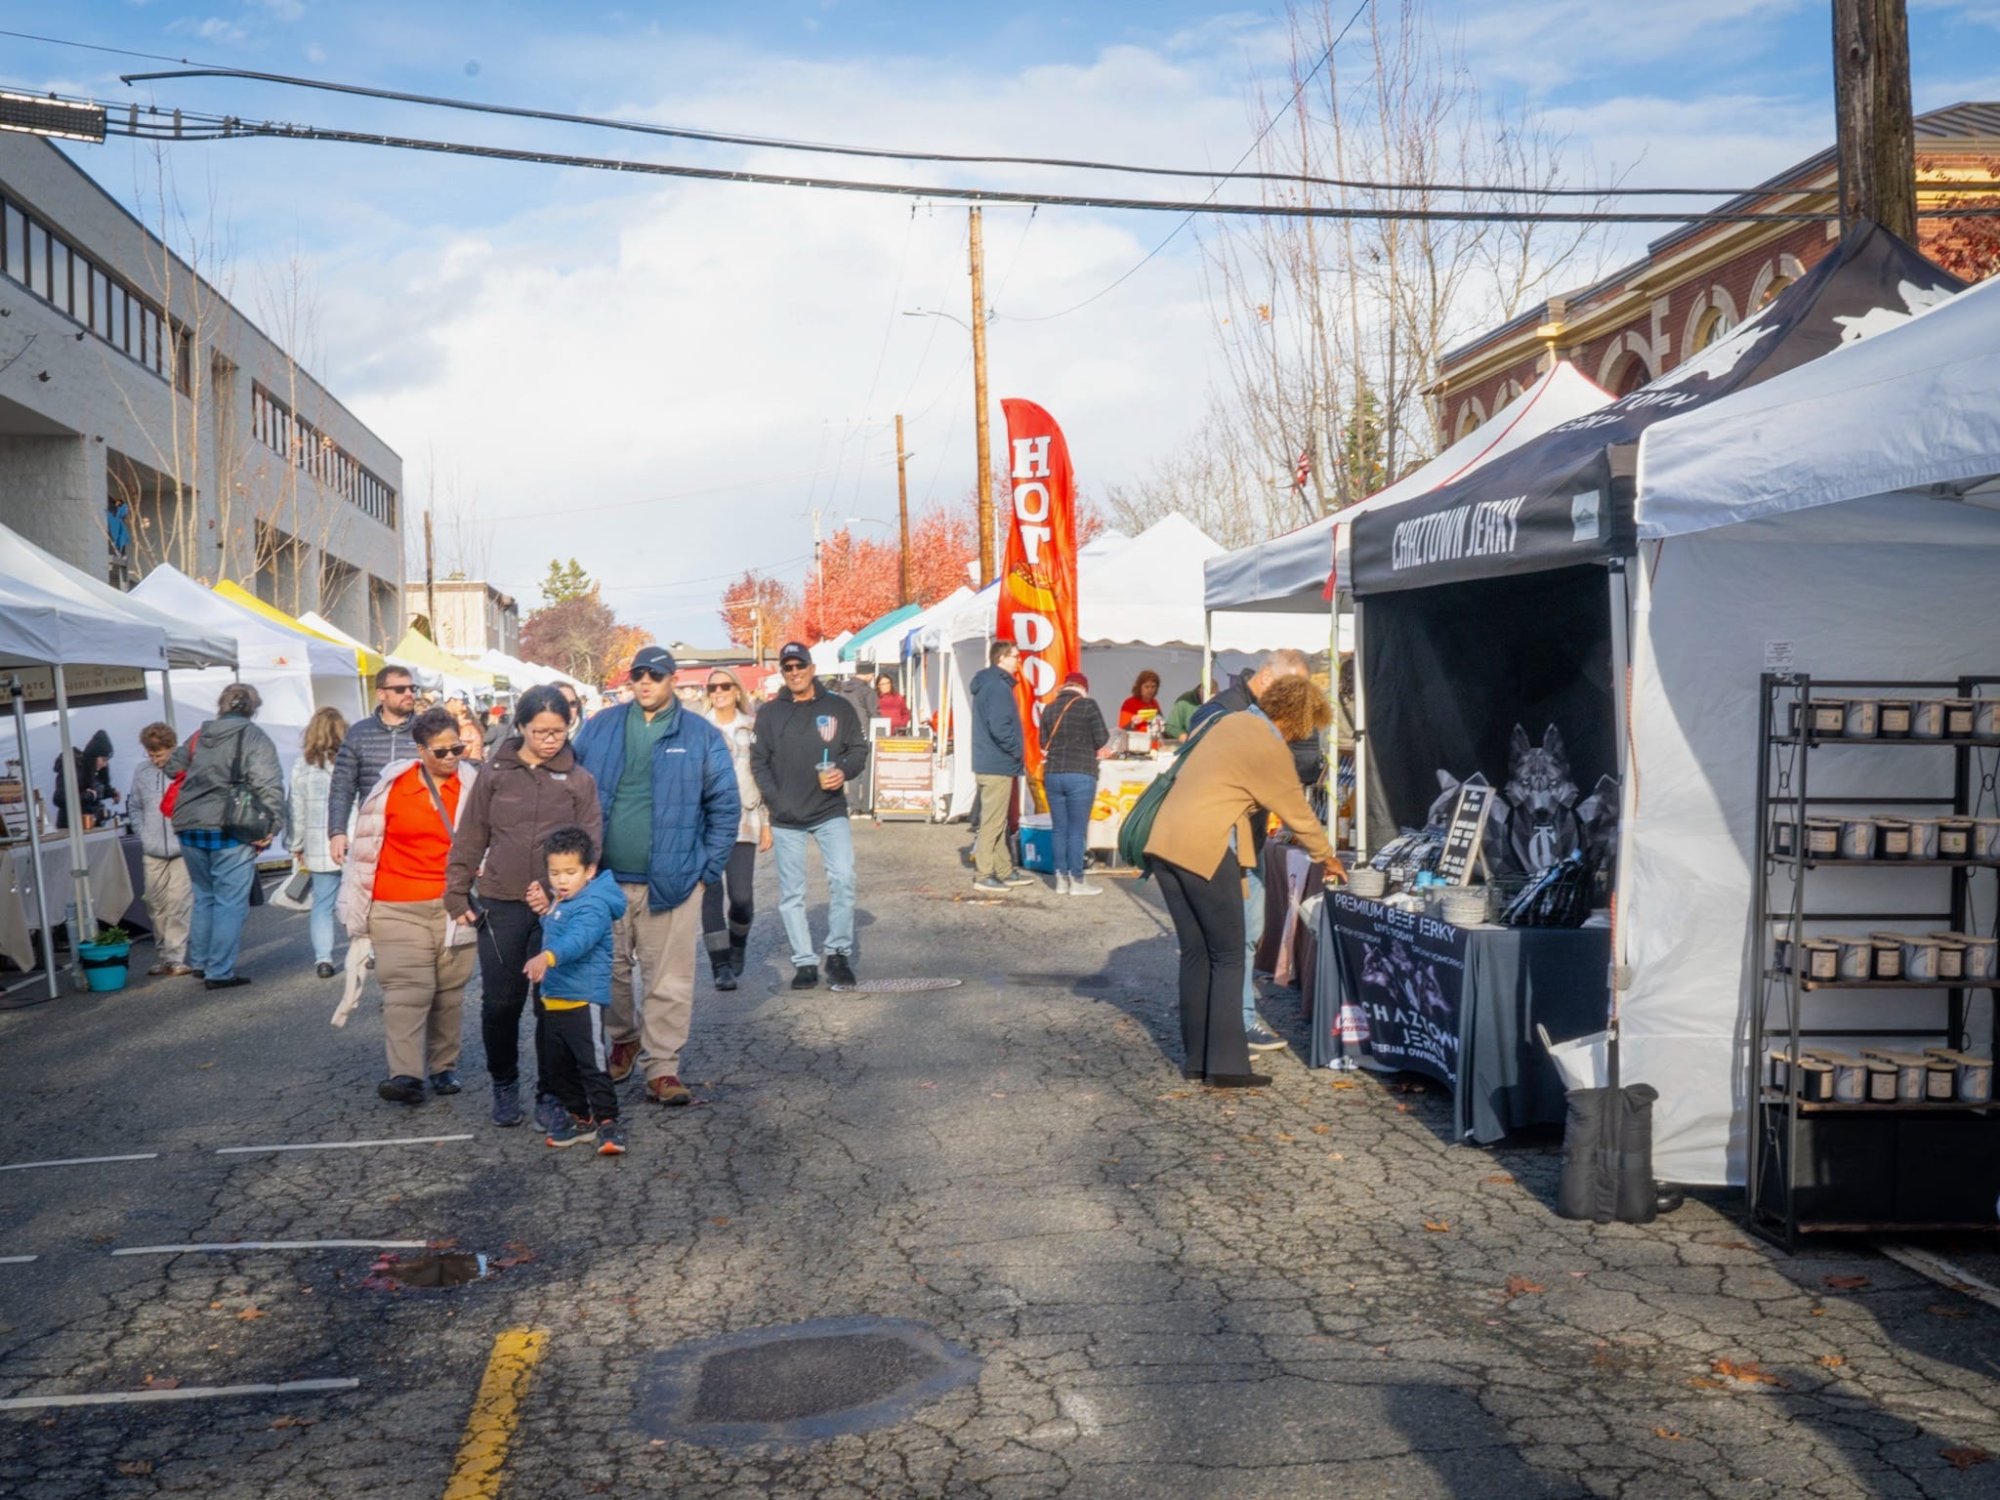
(187, 645)
(924, 663)
(1845, 508)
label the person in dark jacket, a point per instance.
(579, 916)
(219, 844)
(93, 781)
(996, 760)
(809, 746)
(667, 791)
(531, 785)
(1074, 739)
(371, 747)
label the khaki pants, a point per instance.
(989, 850)
(169, 902)
(662, 943)
(423, 986)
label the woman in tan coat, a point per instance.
(1200, 840)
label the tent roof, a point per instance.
(372, 661)
(1289, 572)
(1565, 498)
(261, 643)
(852, 650)
(924, 622)
(38, 628)
(419, 648)
(1909, 410)
(365, 661)
(22, 561)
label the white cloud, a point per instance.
(283, 10)
(211, 29)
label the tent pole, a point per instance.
(79, 873)
(1207, 653)
(48, 928)
(1360, 724)
(167, 698)
(1621, 689)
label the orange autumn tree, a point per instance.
(757, 598)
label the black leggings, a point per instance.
(511, 935)
(1208, 920)
(735, 887)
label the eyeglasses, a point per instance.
(789, 667)
(651, 674)
(400, 687)
(549, 734)
(720, 687)
(447, 752)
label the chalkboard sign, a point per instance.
(1466, 833)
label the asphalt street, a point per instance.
(1147, 1289)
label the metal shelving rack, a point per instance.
(1781, 1120)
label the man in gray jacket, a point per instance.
(372, 745)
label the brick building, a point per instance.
(1696, 283)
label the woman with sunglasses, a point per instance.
(727, 935)
(531, 787)
(392, 893)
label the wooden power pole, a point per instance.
(430, 582)
(1871, 102)
(982, 435)
(903, 511)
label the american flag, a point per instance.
(1304, 470)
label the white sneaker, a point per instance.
(1062, 883)
(1085, 888)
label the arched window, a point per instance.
(1709, 327)
(1628, 375)
(1470, 416)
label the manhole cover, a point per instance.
(799, 1383)
(895, 986)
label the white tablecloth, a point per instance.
(110, 888)
(1119, 783)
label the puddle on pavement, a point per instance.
(431, 1269)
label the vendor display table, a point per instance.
(111, 887)
(1120, 780)
(1459, 1004)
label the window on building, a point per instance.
(100, 303)
(1778, 284)
(17, 243)
(38, 259)
(1630, 375)
(59, 291)
(1713, 325)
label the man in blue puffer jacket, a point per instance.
(671, 809)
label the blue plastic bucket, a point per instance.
(106, 966)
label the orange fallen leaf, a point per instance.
(1284, 1139)
(291, 1421)
(1321, 1129)
(1520, 1286)
(161, 1383)
(250, 1315)
(1500, 1179)
(1965, 1458)
(1832, 1361)
(720, 1221)
(1944, 1310)
(1845, 1283)
(1818, 1312)
(1703, 1383)
(1402, 1109)
(1438, 1226)
(1343, 1083)
(1747, 1371)
(1668, 1433)
(136, 1466)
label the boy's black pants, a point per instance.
(573, 1051)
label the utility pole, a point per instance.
(430, 582)
(1871, 103)
(903, 509)
(819, 577)
(982, 435)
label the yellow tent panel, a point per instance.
(367, 663)
(419, 648)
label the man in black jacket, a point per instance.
(809, 746)
(372, 745)
(997, 758)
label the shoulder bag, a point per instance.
(242, 816)
(1138, 825)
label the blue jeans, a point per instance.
(1071, 794)
(326, 889)
(1253, 930)
(836, 852)
(221, 880)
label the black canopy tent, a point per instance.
(1501, 598)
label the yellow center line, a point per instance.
(482, 1453)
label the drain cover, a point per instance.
(895, 986)
(799, 1383)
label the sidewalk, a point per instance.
(1304, 1291)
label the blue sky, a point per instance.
(665, 379)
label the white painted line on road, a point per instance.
(1937, 1268)
(226, 1247)
(183, 1393)
(406, 1140)
(17, 1260)
(77, 1161)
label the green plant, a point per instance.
(114, 935)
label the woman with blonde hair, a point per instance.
(312, 782)
(470, 727)
(1234, 765)
(726, 932)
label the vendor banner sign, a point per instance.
(1037, 605)
(1406, 973)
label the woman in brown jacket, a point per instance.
(531, 786)
(1200, 841)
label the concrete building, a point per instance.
(1696, 283)
(473, 617)
(138, 404)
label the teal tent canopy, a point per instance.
(853, 651)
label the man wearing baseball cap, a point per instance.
(668, 789)
(810, 744)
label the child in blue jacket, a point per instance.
(573, 971)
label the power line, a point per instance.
(234, 129)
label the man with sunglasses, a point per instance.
(667, 787)
(809, 746)
(372, 745)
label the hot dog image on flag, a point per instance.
(1037, 605)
